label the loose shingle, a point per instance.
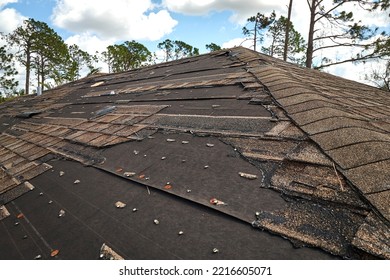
(293, 151)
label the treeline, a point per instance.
(332, 28)
(44, 53)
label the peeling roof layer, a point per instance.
(211, 147)
(341, 116)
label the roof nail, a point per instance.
(156, 222)
(50, 201)
(210, 145)
(188, 191)
(185, 142)
(171, 140)
(180, 232)
(37, 257)
(25, 237)
(206, 166)
(135, 209)
(76, 182)
(62, 173)
(183, 160)
(215, 250)
(163, 158)
(136, 152)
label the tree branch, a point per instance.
(355, 59)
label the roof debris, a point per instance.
(97, 84)
(61, 213)
(247, 176)
(120, 204)
(54, 253)
(129, 174)
(215, 201)
(4, 213)
(107, 253)
(317, 143)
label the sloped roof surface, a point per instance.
(173, 160)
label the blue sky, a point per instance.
(95, 24)
(195, 29)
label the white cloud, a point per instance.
(5, 2)
(115, 19)
(89, 42)
(9, 20)
(236, 42)
(242, 9)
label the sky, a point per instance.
(95, 24)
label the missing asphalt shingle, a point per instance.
(203, 100)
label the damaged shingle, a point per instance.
(302, 152)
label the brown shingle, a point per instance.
(370, 178)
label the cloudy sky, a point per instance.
(95, 24)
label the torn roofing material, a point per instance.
(214, 147)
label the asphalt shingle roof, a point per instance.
(213, 146)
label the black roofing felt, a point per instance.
(235, 152)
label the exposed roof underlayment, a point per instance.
(168, 160)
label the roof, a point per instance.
(232, 150)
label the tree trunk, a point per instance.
(310, 47)
(28, 65)
(42, 75)
(286, 40)
(255, 38)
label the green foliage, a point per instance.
(127, 56)
(380, 77)
(212, 47)
(177, 49)
(40, 48)
(168, 47)
(341, 30)
(77, 60)
(296, 44)
(259, 24)
(7, 73)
